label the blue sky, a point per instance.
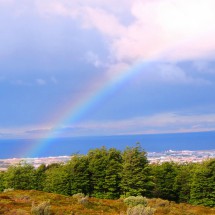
(55, 52)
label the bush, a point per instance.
(132, 201)
(161, 203)
(41, 209)
(78, 195)
(84, 200)
(140, 210)
(8, 190)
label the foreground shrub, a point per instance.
(140, 210)
(41, 209)
(78, 195)
(132, 201)
(84, 200)
(8, 190)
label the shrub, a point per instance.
(84, 200)
(132, 201)
(41, 209)
(161, 203)
(78, 195)
(140, 210)
(8, 190)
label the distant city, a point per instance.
(180, 156)
(153, 157)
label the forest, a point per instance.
(110, 174)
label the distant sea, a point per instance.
(13, 148)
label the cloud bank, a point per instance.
(168, 30)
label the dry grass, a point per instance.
(164, 207)
(20, 202)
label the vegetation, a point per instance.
(41, 209)
(23, 202)
(133, 201)
(112, 174)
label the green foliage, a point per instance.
(2, 187)
(132, 201)
(164, 176)
(135, 178)
(20, 176)
(40, 177)
(57, 180)
(97, 166)
(79, 175)
(110, 173)
(41, 209)
(113, 174)
(140, 210)
(203, 184)
(183, 180)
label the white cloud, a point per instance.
(151, 124)
(168, 72)
(159, 123)
(172, 30)
(29, 131)
(160, 29)
(203, 66)
(93, 59)
(103, 21)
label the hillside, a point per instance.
(20, 202)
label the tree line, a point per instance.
(111, 174)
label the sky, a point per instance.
(95, 67)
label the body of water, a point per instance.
(11, 148)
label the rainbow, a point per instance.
(100, 89)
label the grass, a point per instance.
(19, 202)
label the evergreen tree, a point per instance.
(203, 184)
(57, 180)
(78, 170)
(135, 172)
(113, 174)
(164, 176)
(183, 180)
(98, 160)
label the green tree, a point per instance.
(136, 179)
(20, 176)
(164, 176)
(113, 174)
(78, 170)
(40, 177)
(203, 184)
(98, 160)
(2, 187)
(57, 180)
(183, 180)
